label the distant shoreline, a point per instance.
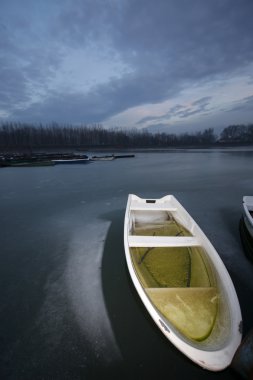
(86, 149)
(28, 139)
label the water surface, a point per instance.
(68, 308)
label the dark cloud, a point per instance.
(185, 39)
(174, 110)
(245, 104)
(28, 59)
(95, 106)
(149, 119)
(203, 101)
(86, 21)
(168, 46)
(12, 79)
(199, 106)
(12, 85)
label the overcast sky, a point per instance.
(165, 64)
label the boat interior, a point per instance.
(177, 276)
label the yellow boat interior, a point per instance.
(180, 281)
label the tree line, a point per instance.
(25, 136)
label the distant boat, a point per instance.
(111, 157)
(102, 158)
(72, 161)
(182, 281)
(246, 226)
(124, 156)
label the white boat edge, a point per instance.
(213, 360)
(248, 204)
(71, 160)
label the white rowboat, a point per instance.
(182, 281)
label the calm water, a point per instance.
(68, 309)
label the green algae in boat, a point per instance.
(182, 281)
(171, 267)
(191, 310)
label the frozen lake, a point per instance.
(68, 308)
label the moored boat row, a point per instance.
(50, 159)
(72, 161)
(40, 159)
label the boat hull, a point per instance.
(248, 214)
(71, 161)
(215, 355)
(246, 239)
(102, 158)
(246, 226)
